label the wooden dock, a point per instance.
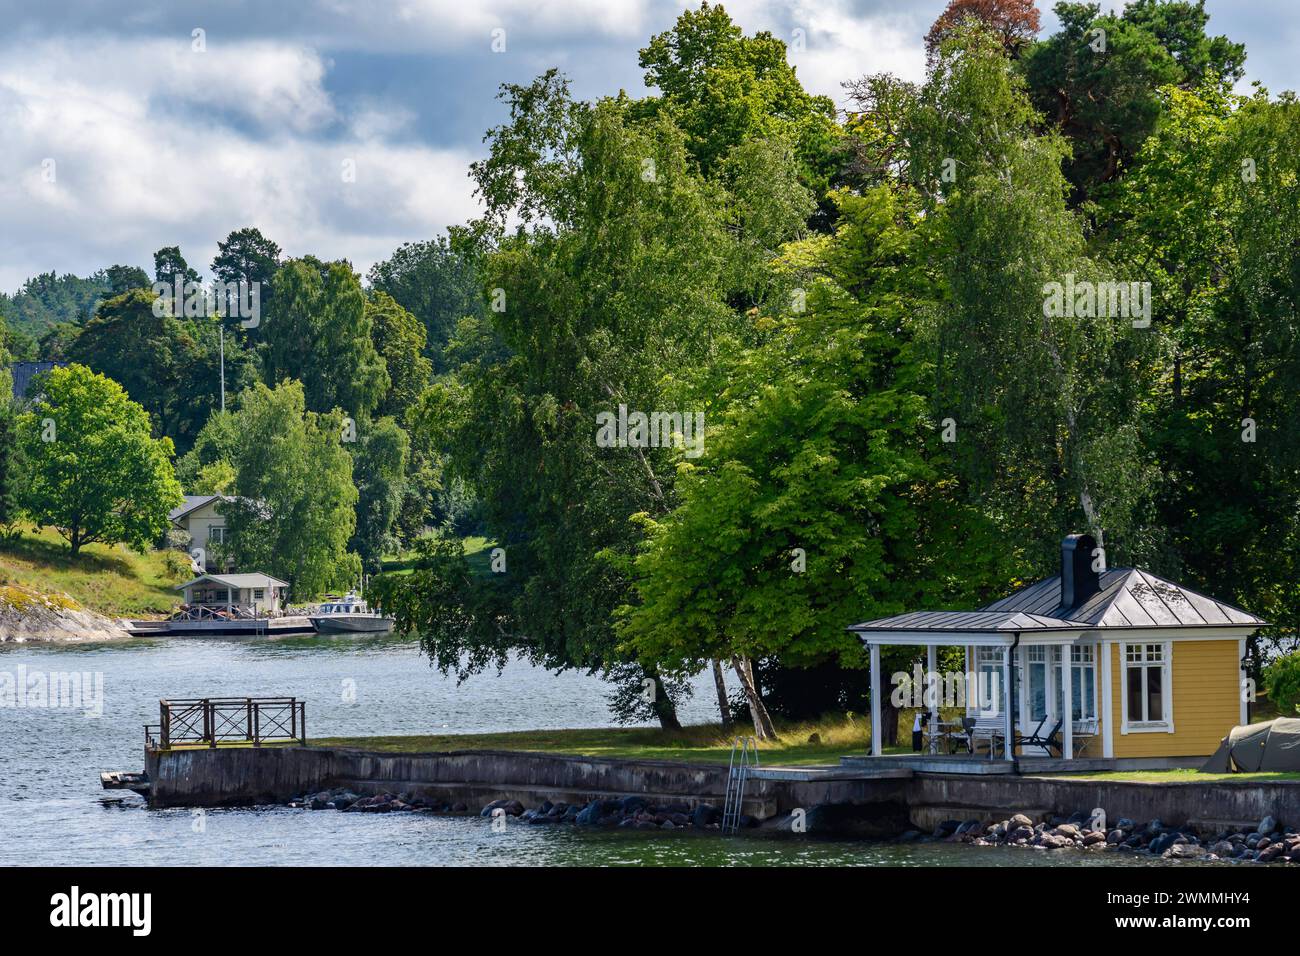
(246, 627)
(124, 780)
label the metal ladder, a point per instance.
(744, 755)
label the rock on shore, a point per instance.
(28, 615)
(1268, 842)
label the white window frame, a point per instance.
(993, 659)
(216, 534)
(1086, 660)
(1166, 724)
(1038, 659)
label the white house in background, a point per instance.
(259, 592)
(206, 526)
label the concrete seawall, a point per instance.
(885, 801)
(932, 798)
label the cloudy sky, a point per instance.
(120, 132)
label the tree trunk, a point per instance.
(724, 708)
(744, 668)
(663, 705)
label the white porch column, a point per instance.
(932, 688)
(1107, 727)
(965, 652)
(875, 700)
(1067, 693)
(1009, 746)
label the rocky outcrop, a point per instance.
(27, 615)
(1269, 842)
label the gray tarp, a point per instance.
(1270, 746)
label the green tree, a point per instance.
(379, 471)
(318, 332)
(1097, 79)
(92, 469)
(169, 265)
(724, 89)
(615, 288)
(121, 279)
(1043, 407)
(823, 498)
(9, 458)
(436, 281)
(294, 508)
(171, 366)
(1282, 681)
(399, 338)
(249, 257)
(1210, 212)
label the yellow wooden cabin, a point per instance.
(1150, 669)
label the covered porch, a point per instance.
(1033, 689)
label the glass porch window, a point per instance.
(1083, 683)
(1037, 686)
(990, 679)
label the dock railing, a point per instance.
(228, 721)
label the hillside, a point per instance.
(113, 581)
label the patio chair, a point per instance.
(1048, 742)
(988, 729)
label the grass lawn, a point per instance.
(704, 743)
(476, 551)
(111, 580)
(1179, 776)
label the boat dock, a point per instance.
(236, 626)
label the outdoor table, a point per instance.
(942, 735)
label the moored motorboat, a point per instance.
(349, 615)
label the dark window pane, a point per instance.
(1135, 693)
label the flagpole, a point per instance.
(222, 328)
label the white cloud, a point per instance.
(157, 146)
(840, 42)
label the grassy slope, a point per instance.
(114, 581)
(476, 551)
(704, 743)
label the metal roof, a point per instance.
(967, 621)
(238, 581)
(1129, 597)
(191, 503)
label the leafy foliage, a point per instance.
(295, 505)
(91, 468)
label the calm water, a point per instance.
(53, 811)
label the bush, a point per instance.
(1282, 682)
(178, 565)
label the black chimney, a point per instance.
(1078, 580)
